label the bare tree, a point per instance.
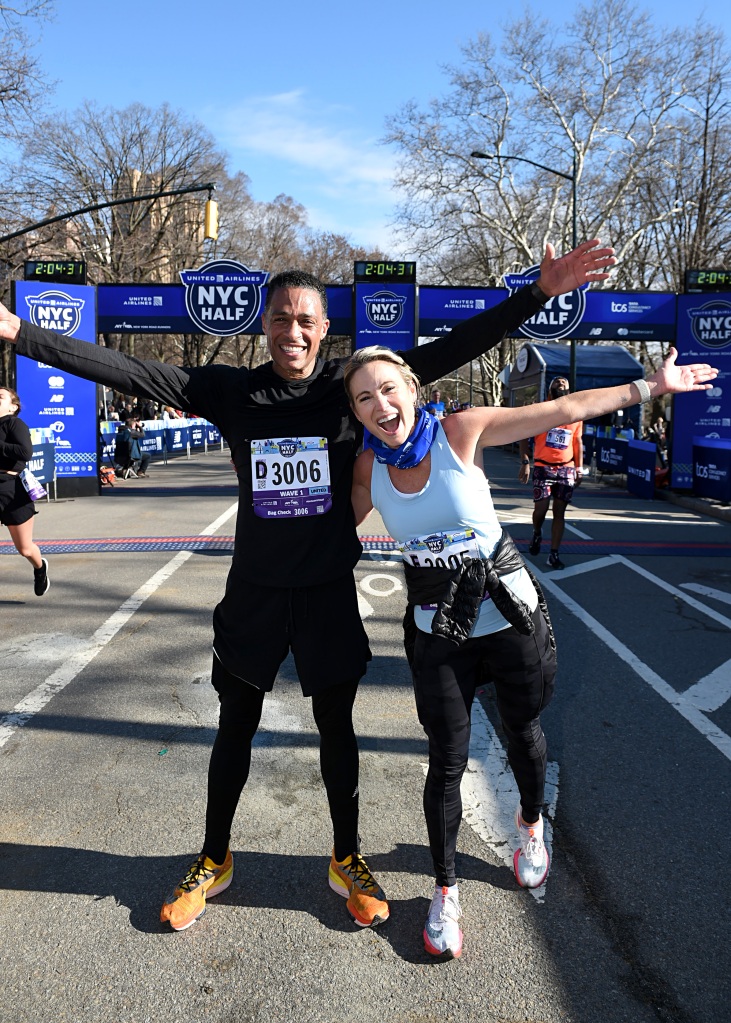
(21, 85)
(635, 117)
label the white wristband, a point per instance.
(643, 388)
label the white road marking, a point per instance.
(684, 707)
(392, 584)
(703, 608)
(713, 691)
(572, 529)
(73, 665)
(708, 591)
(586, 566)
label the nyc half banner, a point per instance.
(51, 399)
(586, 314)
(384, 314)
(704, 335)
(221, 306)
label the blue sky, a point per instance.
(297, 93)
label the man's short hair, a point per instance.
(296, 279)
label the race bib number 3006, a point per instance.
(290, 477)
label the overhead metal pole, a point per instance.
(210, 188)
(477, 155)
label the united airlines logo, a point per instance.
(711, 324)
(384, 309)
(55, 310)
(558, 318)
(223, 297)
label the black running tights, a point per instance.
(241, 706)
(445, 680)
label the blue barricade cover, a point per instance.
(43, 462)
(641, 458)
(611, 454)
(177, 437)
(712, 468)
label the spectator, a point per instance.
(127, 451)
(435, 405)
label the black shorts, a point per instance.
(255, 627)
(16, 506)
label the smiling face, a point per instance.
(383, 401)
(8, 403)
(295, 326)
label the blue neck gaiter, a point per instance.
(413, 449)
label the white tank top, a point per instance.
(453, 515)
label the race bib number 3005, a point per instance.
(290, 477)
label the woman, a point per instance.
(475, 606)
(16, 508)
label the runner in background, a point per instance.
(558, 461)
(16, 505)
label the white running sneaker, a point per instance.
(531, 861)
(442, 936)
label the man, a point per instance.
(435, 405)
(291, 578)
(127, 451)
(558, 466)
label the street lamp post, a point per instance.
(211, 215)
(477, 155)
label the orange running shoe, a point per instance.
(203, 880)
(353, 880)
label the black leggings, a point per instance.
(241, 706)
(446, 677)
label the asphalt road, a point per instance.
(106, 722)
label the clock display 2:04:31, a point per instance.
(62, 271)
(385, 270)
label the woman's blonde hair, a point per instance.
(377, 353)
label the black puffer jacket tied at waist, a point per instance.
(458, 593)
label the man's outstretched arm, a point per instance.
(478, 334)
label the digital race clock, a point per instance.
(55, 271)
(386, 270)
(698, 281)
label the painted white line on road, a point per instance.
(677, 700)
(573, 529)
(73, 665)
(388, 584)
(703, 608)
(642, 520)
(587, 566)
(708, 591)
(713, 691)
(364, 608)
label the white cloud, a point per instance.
(323, 154)
(309, 135)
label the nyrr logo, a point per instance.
(710, 324)
(55, 310)
(384, 309)
(558, 318)
(223, 297)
